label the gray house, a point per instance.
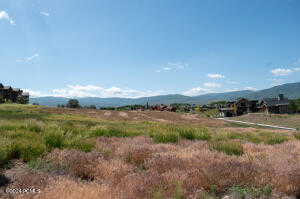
(279, 104)
(14, 95)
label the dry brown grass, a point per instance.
(155, 116)
(70, 189)
(192, 165)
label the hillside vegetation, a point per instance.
(291, 90)
(68, 153)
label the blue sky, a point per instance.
(134, 48)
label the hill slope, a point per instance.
(291, 90)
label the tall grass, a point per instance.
(229, 148)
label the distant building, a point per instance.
(239, 107)
(14, 95)
(275, 105)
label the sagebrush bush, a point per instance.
(230, 148)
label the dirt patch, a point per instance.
(123, 114)
(107, 113)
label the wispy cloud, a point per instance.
(28, 59)
(5, 16)
(296, 69)
(250, 88)
(45, 14)
(281, 71)
(212, 85)
(197, 91)
(172, 67)
(215, 76)
(94, 91)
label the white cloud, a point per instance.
(212, 85)
(197, 91)
(232, 82)
(35, 93)
(94, 91)
(215, 76)
(28, 59)
(250, 88)
(4, 15)
(45, 14)
(281, 71)
(296, 69)
(172, 67)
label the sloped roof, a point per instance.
(275, 101)
(16, 89)
(7, 87)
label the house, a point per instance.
(14, 95)
(239, 107)
(279, 104)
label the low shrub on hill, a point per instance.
(230, 148)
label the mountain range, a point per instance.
(290, 90)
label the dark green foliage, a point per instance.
(230, 148)
(253, 192)
(113, 132)
(54, 140)
(165, 137)
(297, 136)
(79, 144)
(73, 103)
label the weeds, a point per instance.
(230, 148)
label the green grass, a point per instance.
(229, 148)
(245, 192)
(28, 132)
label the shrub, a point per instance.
(276, 140)
(165, 137)
(244, 192)
(230, 148)
(79, 144)
(203, 134)
(40, 164)
(235, 135)
(26, 150)
(4, 156)
(32, 127)
(8, 128)
(189, 134)
(297, 136)
(113, 132)
(54, 140)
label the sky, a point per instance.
(137, 48)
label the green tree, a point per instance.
(73, 103)
(293, 106)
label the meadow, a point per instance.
(68, 153)
(287, 120)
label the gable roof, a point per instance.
(276, 101)
(7, 87)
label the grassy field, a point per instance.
(68, 153)
(286, 120)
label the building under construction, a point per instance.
(13, 95)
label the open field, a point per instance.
(286, 120)
(68, 153)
